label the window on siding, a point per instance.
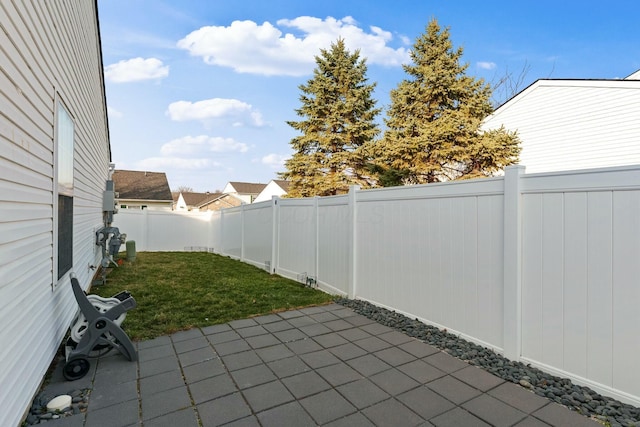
(64, 145)
(65, 234)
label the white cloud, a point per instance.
(136, 69)
(275, 161)
(164, 163)
(191, 153)
(486, 65)
(240, 113)
(113, 113)
(202, 145)
(248, 47)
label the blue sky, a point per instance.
(202, 89)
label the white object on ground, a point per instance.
(59, 403)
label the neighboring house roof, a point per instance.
(633, 76)
(210, 198)
(282, 183)
(141, 185)
(198, 200)
(194, 199)
(568, 124)
(247, 187)
(224, 200)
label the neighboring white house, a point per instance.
(54, 163)
(275, 187)
(574, 124)
(245, 191)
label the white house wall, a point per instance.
(272, 189)
(47, 49)
(568, 125)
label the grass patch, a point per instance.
(176, 291)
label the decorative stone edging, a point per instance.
(39, 413)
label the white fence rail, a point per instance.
(544, 268)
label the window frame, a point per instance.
(64, 134)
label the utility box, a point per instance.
(109, 198)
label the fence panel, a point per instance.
(626, 290)
(215, 232)
(176, 232)
(334, 255)
(134, 223)
(580, 293)
(258, 226)
(435, 257)
(165, 230)
(296, 239)
(231, 232)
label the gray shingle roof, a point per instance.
(141, 185)
(248, 187)
(199, 199)
(284, 184)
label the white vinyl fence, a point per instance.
(544, 268)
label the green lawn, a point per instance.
(180, 290)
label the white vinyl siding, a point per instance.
(568, 125)
(46, 48)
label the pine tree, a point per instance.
(433, 123)
(338, 120)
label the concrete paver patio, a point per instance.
(315, 366)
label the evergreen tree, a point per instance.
(433, 124)
(338, 120)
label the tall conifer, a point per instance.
(338, 119)
(433, 123)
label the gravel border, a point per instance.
(561, 390)
(38, 413)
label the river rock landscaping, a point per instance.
(38, 413)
